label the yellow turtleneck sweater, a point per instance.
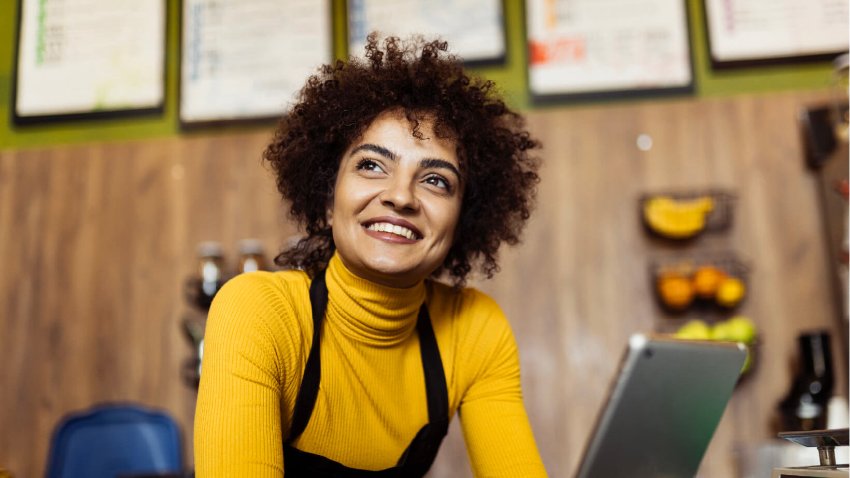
(371, 398)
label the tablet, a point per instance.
(662, 408)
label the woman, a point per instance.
(401, 169)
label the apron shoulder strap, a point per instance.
(435, 377)
(309, 390)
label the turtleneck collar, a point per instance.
(370, 312)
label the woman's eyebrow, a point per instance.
(376, 149)
(428, 163)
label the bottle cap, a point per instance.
(250, 246)
(209, 249)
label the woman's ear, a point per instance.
(329, 207)
(329, 214)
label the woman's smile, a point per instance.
(393, 230)
(396, 201)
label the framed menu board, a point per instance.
(245, 60)
(89, 58)
(607, 48)
(474, 29)
(746, 32)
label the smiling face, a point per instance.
(396, 201)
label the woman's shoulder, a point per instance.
(265, 285)
(262, 298)
(269, 279)
(467, 306)
(256, 327)
(473, 333)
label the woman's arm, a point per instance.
(495, 425)
(238, 415)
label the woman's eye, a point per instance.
(368, 165)
(438, 181)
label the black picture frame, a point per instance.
(475, 62)
(790, 57)
(226, 119)
(117, 112)
(606, 94)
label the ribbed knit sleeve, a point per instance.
(495, 425)
(252, 342)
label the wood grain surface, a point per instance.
(97, 240)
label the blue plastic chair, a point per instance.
(114, 440)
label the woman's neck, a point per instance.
(368, 311)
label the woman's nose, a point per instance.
(400, 194)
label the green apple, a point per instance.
(722, 331)
(741, 329)
(694, 330)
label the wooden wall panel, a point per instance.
(577, 287)
(97, 240)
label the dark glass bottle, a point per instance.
(251, 256)
(804, 408)
(202, 288)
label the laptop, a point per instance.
(663, 408)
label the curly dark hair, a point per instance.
(417, 77)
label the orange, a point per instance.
(676, 291)
(707, 280)
(730, 292)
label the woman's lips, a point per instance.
(392, 229)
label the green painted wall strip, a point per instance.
(510, 77)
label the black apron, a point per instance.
(419, 455)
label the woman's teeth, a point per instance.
(392, 228)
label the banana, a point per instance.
(677, 218)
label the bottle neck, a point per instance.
(815, 356)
